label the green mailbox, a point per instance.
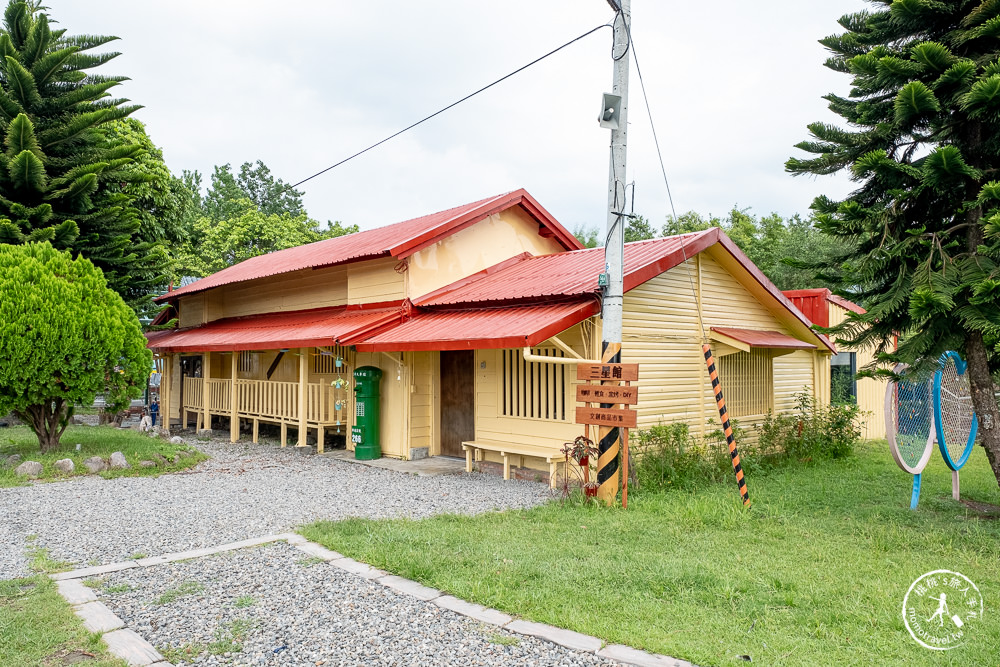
(365, 434)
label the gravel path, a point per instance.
(244, 491)
(273, 605)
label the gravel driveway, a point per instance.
(273, 605)
(244, 491)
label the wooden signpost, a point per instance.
(608, 393)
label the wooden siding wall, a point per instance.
(375, 281)
(395, 405)
(871, 393)
(491, 424)
(661, 333)
(299, 290)
(425, 397)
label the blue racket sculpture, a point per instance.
(909, 425)
(955, 420)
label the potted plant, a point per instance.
(581, 450)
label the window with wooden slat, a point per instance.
(747, 383)
(248, 364)
(325, 360)
(533, 389)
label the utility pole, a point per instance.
(614, 249)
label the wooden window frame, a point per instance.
(534, 389)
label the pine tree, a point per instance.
(57, 158)
(922, 231)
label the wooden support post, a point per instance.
(234, 419)
(284, 434)
(206, 399)
(166, 377)
(319, 439)
(303, 394)
(256, 430)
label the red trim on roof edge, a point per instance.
(846, 304)
(669, 261)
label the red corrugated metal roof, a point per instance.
(271, 331)
(399, 240)
(571, 274)
(769, 339)
(481, 328)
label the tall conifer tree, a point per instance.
(923, 142)
(57, 159)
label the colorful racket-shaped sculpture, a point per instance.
(954, 417)
(909, 425)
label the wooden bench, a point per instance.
(509, 449)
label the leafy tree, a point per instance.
(244, 215)
(590, 237)
(638, 229)
(64, 337)
(921, 234)
(784, 249)
(58, 160)
(248, 232)
(270, 195)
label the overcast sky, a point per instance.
(301, 85)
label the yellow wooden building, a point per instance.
(826, 309)
(477, 316)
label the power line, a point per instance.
(652, 125)
(453, 104)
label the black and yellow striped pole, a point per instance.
(741, 481)
(610, 439)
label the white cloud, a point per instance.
(303, 85)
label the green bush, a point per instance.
(669, 457)
(812, 431)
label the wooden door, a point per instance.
(458, 401)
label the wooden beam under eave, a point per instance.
(303, 394)
(234, 420)
(166, 377)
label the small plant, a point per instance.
(244, 601)
(40, 561)
(95, 582)
(118, 588)
(309, 562)
(138, 555)
(182, 653)
(581, 450)
(185, 589)
(503, 640)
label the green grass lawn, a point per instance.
(94, 441)
(814, 574)
(38, 628)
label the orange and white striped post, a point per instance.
(741, 481)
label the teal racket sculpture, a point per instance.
(955, 420)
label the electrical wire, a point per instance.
(666, 181)
(453, 104)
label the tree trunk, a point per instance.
(48, 421)
(980, 379)
(984, 399)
